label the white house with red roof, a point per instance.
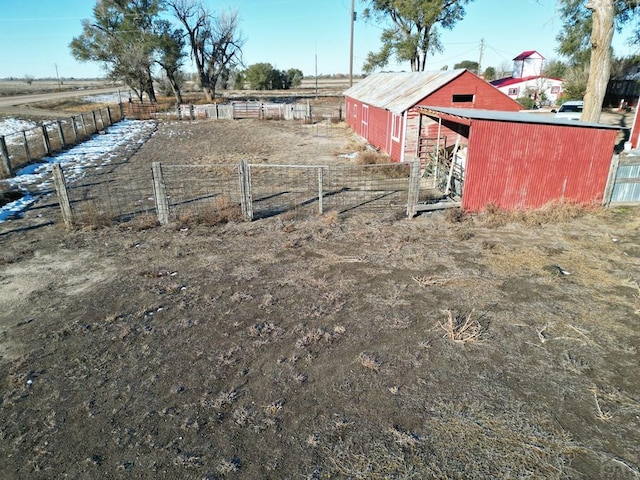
(527, 80)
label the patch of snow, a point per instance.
(13, 125)
(107, 98)
(98, 151)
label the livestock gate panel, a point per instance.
(247, 110)
(304, 190)
(202, 191)
(626, 186)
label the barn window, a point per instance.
(555, 89)
(514, 92)
(396, 125)
(355, 110)
(462, 98)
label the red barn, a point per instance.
(382, 108)
(517, 160)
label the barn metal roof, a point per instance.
(399, 91)
(517, 117)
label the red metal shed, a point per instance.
(382, 108)
(526, 160)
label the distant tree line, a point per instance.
(137, 44)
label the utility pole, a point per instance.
(57, 76)
(353, 19)
(480, 59)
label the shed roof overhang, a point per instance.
(467, 115)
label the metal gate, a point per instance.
(626, 180)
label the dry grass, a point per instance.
(552, 212)
(461, 328)
(92, 217)
(220, 211)
(370, 361)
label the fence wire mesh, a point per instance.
(207, 193)
(218, 193)
(102, 195)
(305, 190)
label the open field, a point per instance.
(33, 86)
(362, 346)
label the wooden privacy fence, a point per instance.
(24, 147)
(260, 110)
(222, 192)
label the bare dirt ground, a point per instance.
(362, 346)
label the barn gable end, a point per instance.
(382, 108)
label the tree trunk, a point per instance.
(600, 66)
(148, 88)
(176, 91)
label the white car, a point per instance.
(571, 110)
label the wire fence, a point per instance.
(224, 192)
(21, 148)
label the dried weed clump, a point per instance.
(92, 217)
(461, 328)
(553, 212)
(220, 211)
(370, 361)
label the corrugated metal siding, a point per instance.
(520, 165)
(626, 187)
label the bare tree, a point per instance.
(215, 42)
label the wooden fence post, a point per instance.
(74, 125)
(611, 180)
(45, 139)
(414, 188)
(160, 193)
(6, 160)
(95, 124)
(63, 194)
(320, 190)
(84, 124)
(63, 145)
(101, 119)
(26, 146)
(246, 198)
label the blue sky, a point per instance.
(312, 35)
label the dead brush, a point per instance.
(314, 336)
(461, 328)
(370, 361)
(551, 213)
(384, 167)
(220, 211)
(91, 217)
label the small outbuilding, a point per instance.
(383, 107)
(515, 160)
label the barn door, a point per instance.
(365, 121)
